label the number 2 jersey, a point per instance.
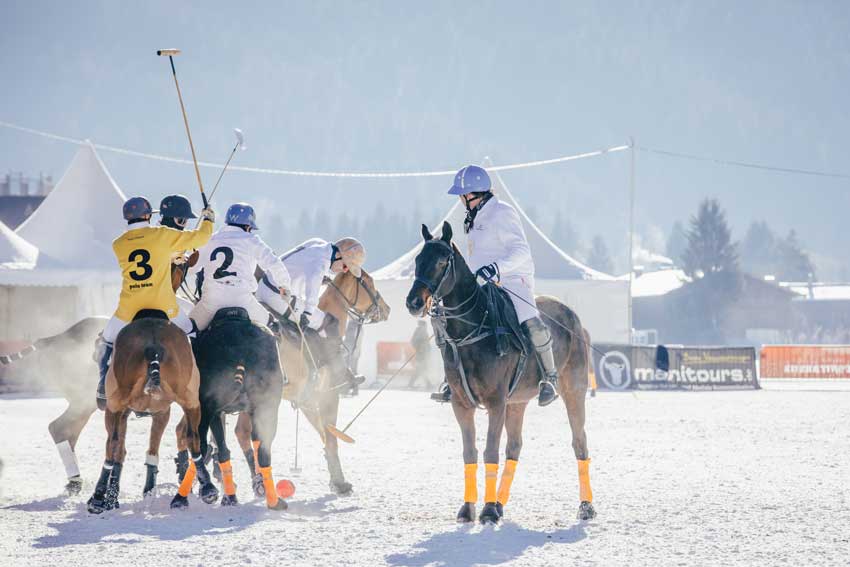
(230, 259)
(144, 253)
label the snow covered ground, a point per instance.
(679, 478)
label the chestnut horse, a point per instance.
(478, 377)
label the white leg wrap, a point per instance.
(152, 460)
(69, 459)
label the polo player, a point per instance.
(144, 253)
(498, 250)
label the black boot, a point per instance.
(104, 368)
(443, 394)
(539, 335)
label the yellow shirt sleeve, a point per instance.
(181, 240)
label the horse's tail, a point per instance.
(154, 354)
(239, 374)
(26, 351)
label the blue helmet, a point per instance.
(176, 206)
(241, 214)
(136, 208)
(471, 179)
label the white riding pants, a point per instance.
(206, 308)
(522, 286)
(114, 325)
(275, 301)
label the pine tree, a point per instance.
(794, 263)
(599, 259)
(565, 235)
(710, 247)
(677, 242)
(759, 250)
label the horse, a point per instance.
(345, 296)
(240, 372)
(152, 366)
(479, 377)
(62, 363)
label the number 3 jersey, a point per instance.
(144, 253)
(230, 259)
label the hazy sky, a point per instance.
(409, 86)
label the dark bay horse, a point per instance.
(345, 296)
(445, 282)
(62, 364)
(152, 366)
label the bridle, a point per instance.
(372, 313)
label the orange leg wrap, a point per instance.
(256, 445)
(470, 483)
(507, 479)
(491, 475)
(268, 484)
(189, 478)
(227, 478)
(585, 493)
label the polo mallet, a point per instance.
(240, 145)
(295, 469)
(171, 53)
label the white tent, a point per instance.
(77, 222)
(601, 300)
(58, 267)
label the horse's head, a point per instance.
(373, 305)
(357, 297)
(435, 274)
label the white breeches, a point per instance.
(523, 286)
(206, 308)
(275, 301)
(114, 325)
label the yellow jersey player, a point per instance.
(144, 253)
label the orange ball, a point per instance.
(285, 488)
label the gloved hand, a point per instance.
(208, 214)
(488, 273)
(284, 293)
(304, 322)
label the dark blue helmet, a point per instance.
(176, 206)
(470, 179)
(137, 208)
(241, 214)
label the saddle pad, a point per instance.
(505, 320)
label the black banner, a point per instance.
(625, 367)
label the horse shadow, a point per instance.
(465, 546)
(319, 507)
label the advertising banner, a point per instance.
(623, 367)
(805, 361)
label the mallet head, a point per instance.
(168, 52)
(240, 138)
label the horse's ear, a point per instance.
(426, 234)
(447, 232)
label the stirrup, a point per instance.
(444, 395)
(546, 393)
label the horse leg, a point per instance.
(496, 423)
(329, 411)
(208, 492)
(249, 444)
(119, 452)
(97, 503)
(574, 400)
(182, 458)
(160, 421)
(264, 423)
(229, 498)
(196, 464)
(466, 419)
(514, 415)
(65, 430)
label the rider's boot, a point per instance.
(540, 337)
(105, 350)
(443, 393)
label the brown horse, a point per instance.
(478, 377)
(345, 296)
(152, 366)
(62, 364)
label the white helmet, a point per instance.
(352, 254)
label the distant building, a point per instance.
(20, 196)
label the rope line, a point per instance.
(744, 164)
(271, 171)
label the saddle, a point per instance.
(150, 314)
(230, 315)
(502, 319)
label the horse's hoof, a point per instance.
(209, 493)
(257, 485)
(490, 514)
(229, 500)
(586, 511)
(179, 501)
(466, 512)
(96, 505)
(500, 509)
(280, 505)
(342, 488)
(74, 486)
